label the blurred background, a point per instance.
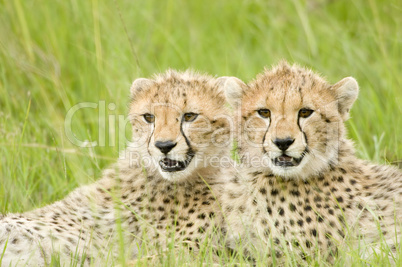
(56, 54)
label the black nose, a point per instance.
(284, 144)
(165, 146)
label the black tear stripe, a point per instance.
(304, 134)
(263, 138)
(305, 138)
(190, 151)
(149, 140)
(298, 124)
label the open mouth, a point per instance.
(287, 161)
(171, 165)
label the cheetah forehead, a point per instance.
(186, 91)
(286, 82)
(289, 78)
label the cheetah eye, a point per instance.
(149, 117)
(264, 113)
(305, 113)
(189, 117)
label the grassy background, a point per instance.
(56, 54)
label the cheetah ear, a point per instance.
(233, 89)
(346, 91)
(139, 85)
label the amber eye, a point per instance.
(149, 118)
(305, 113)
(265, 113)
(188, 117)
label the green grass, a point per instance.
(56, 54)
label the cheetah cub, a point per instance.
(303, 189)
(163, 188)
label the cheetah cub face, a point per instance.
(179, 122)
(293, 120)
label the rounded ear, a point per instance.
(233, 88)
(346, 91)
(139, 85)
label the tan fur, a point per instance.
(152, 207)
(330, 196)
